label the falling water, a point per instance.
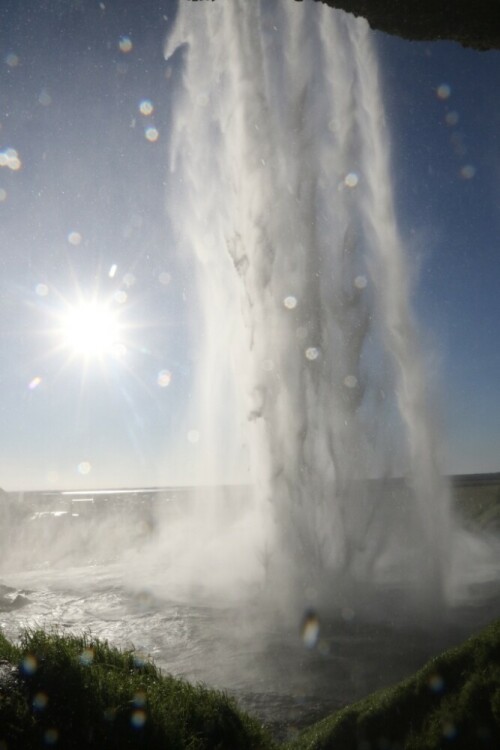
(281, 187)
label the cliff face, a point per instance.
(472, 24)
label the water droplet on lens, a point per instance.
(347, 614)
(109, 713)
(45, 98)
(351, 179)
(151, 134)
(140, 659)
(468, 172)
(164, 378)
(10, 158)
(312, 353)
(443, 91)
(449, 730)
(146, 107)
(164, 278)
(87, 657)
(310, 629)
(125, 44)
(40, 700)
(140, 699)
(360, 282)
(436, 683)
(138, 719)
(51, 736)
(290, 302)
(74, 238)
(30, 664)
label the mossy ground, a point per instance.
(77, 692)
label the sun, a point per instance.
(90, 330)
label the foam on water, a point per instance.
(282, 188)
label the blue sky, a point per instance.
(89, 194)
(445, 122)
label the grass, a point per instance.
(453, 702)
(76, 692)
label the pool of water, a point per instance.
(259, 657)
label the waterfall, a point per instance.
(281, 187)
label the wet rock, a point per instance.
(471, 24)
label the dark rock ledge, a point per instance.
(472, 24)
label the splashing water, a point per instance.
(282, 189)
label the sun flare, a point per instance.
(91, 330)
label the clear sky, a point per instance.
(84, 123)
